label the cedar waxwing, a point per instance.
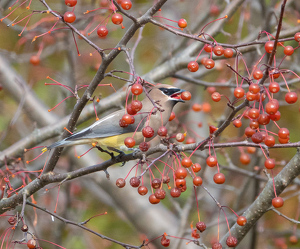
(107, 131)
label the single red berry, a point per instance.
(135, 182)
(277, 202)
(160, 194)
(211, 161)
(180, 183)
(165, 242)
(276, 116)
(153, 199)
(122, 123)
(214, 10)
(297, 37)
(253, 113)
(231, 241)
(272, 107)
(182, 23)
(208, 48)
(196, 167)
(181, 173)
(117, 18)
(24, 228)
(70, 3)
(216, 97)
(257, 137)
(239, 92)
(136, 89)
(288, 50)
(241, 220)
(263, 119)
(130, 110)
(228, 52)
(249, 132)
(102, 31)
(120, 182)
(274, 87)
(201, 226)
(245, 159)
(211, 89)
(254, 88)
(251, 150)
(209, 63)
(197, 181)
(186, 95)
(219, 178)
(166, 179)
(217, 246)
(175, 192)
(274, 74)
(128, 119)
(156, 183)
(186, 162)
(206, 107)
(251, 96)
(142, 190)
(148, 132)
(258, 74)
(197, 107)
(237, 123)
(218, 50)
(129, 142)
(269, 141)
(269, 46)
(270, 163)
(283, 140)
(35, 60)
(172, 116)
(69, 17)
(291, 97)
(193, 66)
(162, 131)
(31, 244)
(180, 137)
(283, 133)
(190, 140)
(136, 105)
(12, 220)
(144, 146)
(254, 124)
(126, 4)
(203, 60)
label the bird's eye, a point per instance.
(166, 91)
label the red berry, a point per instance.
(180, 183)
(291, 97)
(274, 87)
(35, 60)
(120, 182)
(130, 110)
(274, 74)
(126, 4)
(172, 116)
(193, 66)
(175, 192)
(228, 52)
(241, 220)
(263, 119)
(270, 163)
(209, 63)
(297, 37)
(272, 107)
(269, 46)
(102, 31)
(160, 194)
(70, 3)
(208, 48)
(156, 183)
(269, 141)
(254, 88)
(128, 119)
(219, 178)
(249, 132)
(142, 190)
(231, 241)
(276, 116)
(117, 18)
(181, 173)
(288, 50)
(153, 199)
(216, 96)
(283, 140)
(258, 74)
(251, 96)
(277, 202)
(186, 162)
(180, 137)
(148, 132)
(239, 92)
(206, 107)
(196, 167)
(182, 23)
(144, 146)
(24, 228)
(135, 182)
(217, 246)
(31, 244)
(257, 137)
(136, 105)
(211, 161)
(253, 113)
(129, 142)
(211, 89)
(186, 95)
(254, 125)
(201, 226)
(165, 242)
(214, 10)
(218, 50)
(245, 159)
(197, 181)
(237, 123)
(166, 179)
(283, 133)
(293, 239)
(69, 17)
(190, 140)
(136, 89)
(197, 107)
(162, 131)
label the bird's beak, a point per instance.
(177, 96)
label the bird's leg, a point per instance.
(121, 153)
(106, 151)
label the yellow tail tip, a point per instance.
(44, 150)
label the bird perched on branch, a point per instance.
(112, 130)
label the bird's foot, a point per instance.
(106, 151)
(121, 153)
